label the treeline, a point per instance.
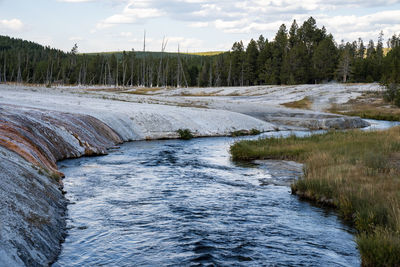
(300, 54)
(27, 62)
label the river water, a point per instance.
(185, 203)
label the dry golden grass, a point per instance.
(143, 91)
(209, 53)
(203, 93)
(369, 106)
(357, 172)
(304, 103)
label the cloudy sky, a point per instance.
(196, 25)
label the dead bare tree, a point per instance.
(178, 78)
(144, 60)
(242, 75)
(101, 72)
(166, 72)
(211, 77)
(229, 72)
(160, 70)
(344, 67)
(116, 75)
(49, 72)
(19, 76)
(123, 70)
(180, 69)
(132, 64)
(5, 69)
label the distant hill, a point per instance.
(210, 53)
(9, 43)
(140, 54)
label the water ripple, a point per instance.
(184, 203)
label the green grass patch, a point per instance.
(245, 132)
(368, 106)
(357, 172)
(304, 103)
(185, 134)
(374, 114)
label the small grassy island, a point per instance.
(355, 171)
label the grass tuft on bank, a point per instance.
(185, 134)
(304, 103)
(371, 105)
(357, 172)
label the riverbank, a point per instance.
(357, 172)
(40, 126)
(370, 105)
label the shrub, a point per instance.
(253, 131)
(185, 134)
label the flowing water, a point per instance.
(174, 203)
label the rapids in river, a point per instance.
(185, 203)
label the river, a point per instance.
(175, 202)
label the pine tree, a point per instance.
(324, 60)
(251, 71)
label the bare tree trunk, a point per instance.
(48, 71)
(109, 82)
(183, 75)
(178, 78)
(241, 80)
(101, 72)
(132, 68)
(211, 77)
(5, 69)
(160, 78)
(80, 75)
(123, 73)
(138, 76)
(116, 80)
(144, 60)
(166, 72)
(19, 76)
(105, 72)
(27, 68)
(229, 72)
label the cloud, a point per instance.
(125, 34)
(75, 38)
(11, 25)
(132, 13)
(368, 26)
(199, 24)
(75, 1)
(264, 16)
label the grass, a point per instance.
(304, 103)
(245, 132)
(185, 134)
(357, 172)
(143, 91)
(208, 53)
(369, 111)
(368, 106)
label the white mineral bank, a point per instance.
(161, 113)
(136, 121)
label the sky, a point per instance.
(193, 25)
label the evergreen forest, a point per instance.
(301, 54)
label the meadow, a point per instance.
(356, 172)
